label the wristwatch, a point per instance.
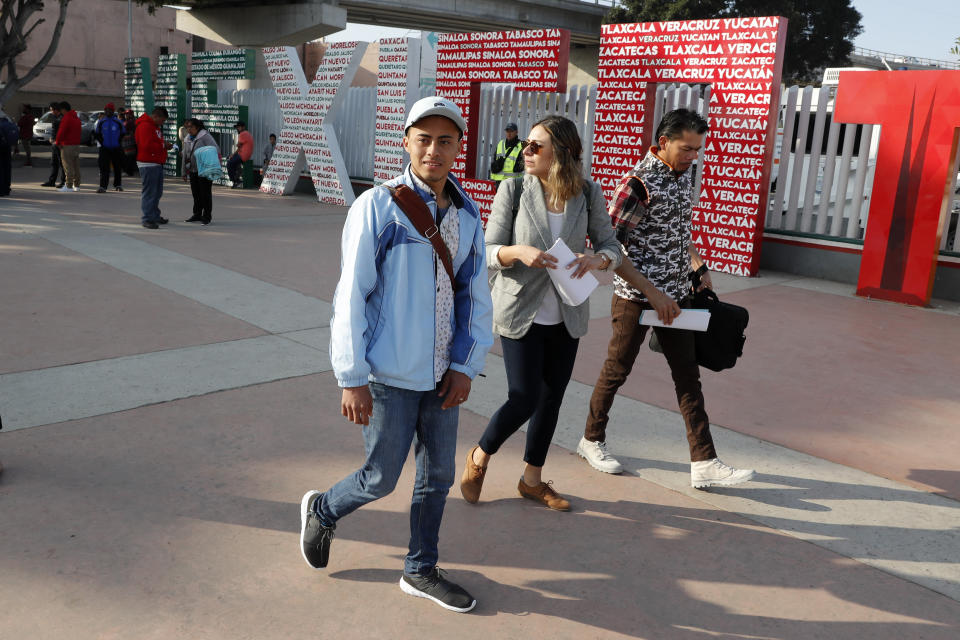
(607, 261)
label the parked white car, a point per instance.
(44, 125)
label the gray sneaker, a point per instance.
(315, 538)
(597, 455)
(435, 586)
(710, 473)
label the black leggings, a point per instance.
(202, 190)
(539, 366)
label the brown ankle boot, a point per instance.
(545, 494)
(472, 481)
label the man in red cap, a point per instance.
(109, 133)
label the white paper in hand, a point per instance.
(573, 291)
(692, 319)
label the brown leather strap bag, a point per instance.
(416, 209)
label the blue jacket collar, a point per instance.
(456, 192)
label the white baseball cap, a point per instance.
(435, 106)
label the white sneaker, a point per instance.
(76, 188)
(710, 473)
(596, 454)
(65, 188)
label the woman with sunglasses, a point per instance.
(539, 332)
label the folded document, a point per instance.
(692, 319)
(573, 291)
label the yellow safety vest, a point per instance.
(512, 161)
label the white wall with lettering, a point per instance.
(398, 84)
(308, 113)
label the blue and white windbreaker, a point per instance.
(383, 327)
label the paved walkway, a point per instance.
(167, 398)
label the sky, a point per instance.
(923, 29)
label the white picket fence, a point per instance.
(502, 104)
(354, 126)
(824, 170)
(821, 181)
(824, 173)
(264, 116)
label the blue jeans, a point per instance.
(401, 416)
(150, 193)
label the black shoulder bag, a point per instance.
(720, 346)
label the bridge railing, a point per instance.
(901, 59)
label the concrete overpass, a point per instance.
(882, 60)
(258, 24)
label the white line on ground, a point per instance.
(58, 394)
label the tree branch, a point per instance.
(13, 82)
(35, 25)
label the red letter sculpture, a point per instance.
(919, 112)
(532, 60)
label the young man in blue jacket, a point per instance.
(108, 133)
(405, 345)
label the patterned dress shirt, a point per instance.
(652, 213)
(450, 232)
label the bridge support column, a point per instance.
(264, 26)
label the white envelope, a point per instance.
(572, 291)
(692, 319)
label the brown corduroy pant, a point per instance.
(679, 350)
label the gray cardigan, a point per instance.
(518, 290)
(203, 139)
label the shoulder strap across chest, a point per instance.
(416, 210)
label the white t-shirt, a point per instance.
(549, 312)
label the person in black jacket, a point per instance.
(57, 175)
(128, 143)
(109, 133)
(9, 134)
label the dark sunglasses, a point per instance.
(533, 147)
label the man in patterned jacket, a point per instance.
(652, 213)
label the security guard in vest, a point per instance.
(508, 162)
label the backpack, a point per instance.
(518, 191)
(9, 131)
(587, 187)
(207, 161)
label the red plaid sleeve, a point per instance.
(628, 205)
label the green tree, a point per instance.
(820, 33)
(665, 10)
(956, 49)
(17, 23)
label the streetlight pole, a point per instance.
(129, 28)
